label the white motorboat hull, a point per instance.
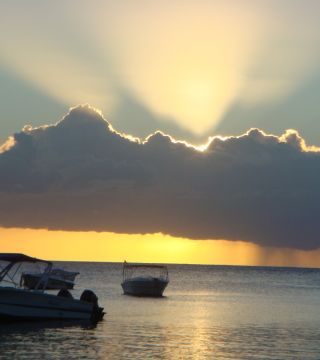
(19, 304)
(153, 287)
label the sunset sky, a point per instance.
(158, 131)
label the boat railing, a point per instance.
(9, 271)
(132, 270)
(43, 281)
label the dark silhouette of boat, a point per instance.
(19, 304)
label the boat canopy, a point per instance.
(16, 257)
(129, 270)
(15, 261)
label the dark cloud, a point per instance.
(82, 175)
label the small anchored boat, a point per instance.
(58, 279)
(141, 280)
(18, 304)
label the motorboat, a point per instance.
(144, 279)
(20, 304)
(58, 279)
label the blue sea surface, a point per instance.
(208, 312)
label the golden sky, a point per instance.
(93, 246)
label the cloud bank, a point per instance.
(80, 174)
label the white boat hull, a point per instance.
(19, 304)
(30, 281)
(144, 287)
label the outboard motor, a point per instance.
(90, 297)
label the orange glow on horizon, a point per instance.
(111, 247)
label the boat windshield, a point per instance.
(11, 267)
(145, 270)
(61, 272)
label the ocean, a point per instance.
(208, 312)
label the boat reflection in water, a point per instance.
(139, 279)
(22, 327)
(18, 304)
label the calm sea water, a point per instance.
(209, 312)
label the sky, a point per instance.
(180, 131)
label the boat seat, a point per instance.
(65, 293)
